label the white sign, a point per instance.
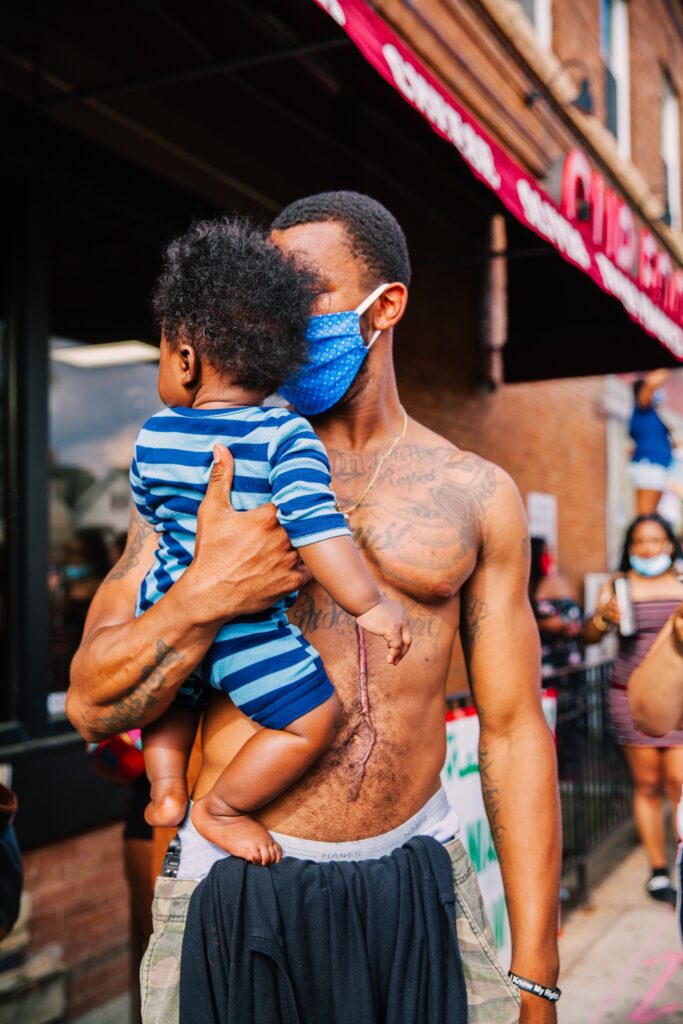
(460, 778)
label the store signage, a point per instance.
(590, 226)
(588, 202)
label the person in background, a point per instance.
(655, 763)
(655, 692)
(11, 873)
(653, 444)
(72, 582)
(86, 563)
(554, 601)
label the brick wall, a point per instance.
(80, 900)
(656, 44)
(550, 436)
(576, 36)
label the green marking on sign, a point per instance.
(499, 922)
(454, 758)
(480, 845)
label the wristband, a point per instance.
(551, 994)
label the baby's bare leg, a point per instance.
(268, 763)
(166, 745)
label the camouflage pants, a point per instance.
(491, 997)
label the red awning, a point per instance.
(616, 269)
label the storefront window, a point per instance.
(4, 608)
(99, 397)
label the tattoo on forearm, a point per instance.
(489, 789)
(140, 529)
(526, 547)
(475, 611)
(131, 710)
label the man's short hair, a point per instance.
(374, 234)
(238, 299)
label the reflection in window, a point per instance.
(99, 397)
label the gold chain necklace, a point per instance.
(375, 475)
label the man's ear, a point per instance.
(389, 308)
(189, 364)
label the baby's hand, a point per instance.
(388, 619)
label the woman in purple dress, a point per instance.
(656, 763)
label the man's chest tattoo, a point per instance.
(424, 498)
(420, 525)
(315, 611)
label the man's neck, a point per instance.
(368, 419)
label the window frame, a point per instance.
(541, 17)
(27, 467)
(615, 53)
(670, 148)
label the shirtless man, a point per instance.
(442, 531)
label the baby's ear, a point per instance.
(188, 362)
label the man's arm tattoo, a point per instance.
(489, 788)
(140, 530)
(129, 711)
(475, 611)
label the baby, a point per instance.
(233, 312)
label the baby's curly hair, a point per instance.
(238, 299)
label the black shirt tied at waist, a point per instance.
(365, 942)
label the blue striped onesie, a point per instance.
(261, 661)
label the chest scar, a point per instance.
(364, 721)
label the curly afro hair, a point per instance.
(241, 302)
(374, 234)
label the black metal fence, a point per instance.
(595, 785)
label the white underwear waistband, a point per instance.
(436, 819)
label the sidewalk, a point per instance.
(622, 961)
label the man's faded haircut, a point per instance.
(374, 234)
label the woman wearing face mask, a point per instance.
(85, 566)
(656, 763)
(653, 445)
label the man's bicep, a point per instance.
(499, 632)
(114, 602)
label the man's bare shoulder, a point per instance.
(484, 479)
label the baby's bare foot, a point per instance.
(166, 808)
(238, 834)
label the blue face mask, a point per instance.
(650, 566)
(336, 351)
(75, 572)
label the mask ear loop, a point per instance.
(365, 304)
